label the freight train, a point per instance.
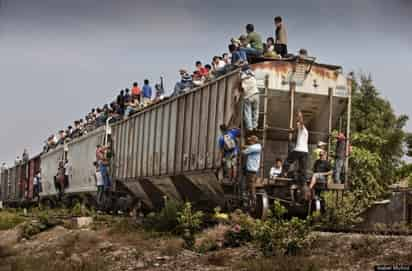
(169, 149)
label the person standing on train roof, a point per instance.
(281, 40)
(127, 95)
(229, 150)
(300, 152)
(147, 93)
(254, 40)
(136, 92)
(253, 153)
(251, 98)
(121, 102)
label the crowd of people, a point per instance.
(241, 51)
(298, 155)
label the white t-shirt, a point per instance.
(275, 172)
(249, 85)
(302, 140)
(99, 178)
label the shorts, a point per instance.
(320, 178)
(230, 162)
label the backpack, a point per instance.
(229, 143)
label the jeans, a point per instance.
(339, 163)
(251, 52)
(107, 183)
(251, 112)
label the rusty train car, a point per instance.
(170, 149)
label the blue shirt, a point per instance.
(238, 55)
(233, 133)
(147, 91)
(253, 157)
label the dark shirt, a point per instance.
(121, 100)
(321, 166)
(340, 149)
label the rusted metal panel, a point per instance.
(212, 136)
(165, 138)
(220, 117)
(180, 134)
(187, 132)
(145, 161)
(140, 146)
(136, 146)
(130, 148)
(203, 133)
(172, 138)
(152, 139)
(195, 139)
(160, 119)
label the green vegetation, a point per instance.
(10, 219)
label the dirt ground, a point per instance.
(113, 247)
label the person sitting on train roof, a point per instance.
(269, 48)
(62, 137)
(276, 170)
(203, 72)
(300, 152)
(229, 150)
(185, 83)
(131, 107)
(218, 66)
(253, 155)
(226, 58)
(198, 79)
(238, 56)
(251, 98)
(281, 41)
(254, 40)
(147, 93)
(3, 167)
(303, 52)
(136, 92)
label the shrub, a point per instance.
(189, 222)
(277, 236)
(166, 220)
(237, 236)
(9, 220)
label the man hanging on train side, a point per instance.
(252, 153)
(300, 151)
(229, 150)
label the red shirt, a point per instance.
(203, 71)
(136, 91)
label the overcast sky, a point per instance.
(60, 58)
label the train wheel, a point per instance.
(262, 205)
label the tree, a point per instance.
(378, 140)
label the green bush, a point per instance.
(277, 236)
(9, 220)
(189, 222)
(165, 220)
(237, 236)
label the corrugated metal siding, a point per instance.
(49, 166)
(176, 136)
(4, 182)
(81, 155)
